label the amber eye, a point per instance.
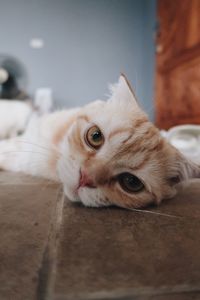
(94, 137)
(130, 183)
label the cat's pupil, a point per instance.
(96, 136)
(130, 183)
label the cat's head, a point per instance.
(112, 154)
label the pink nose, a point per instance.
(85, 180)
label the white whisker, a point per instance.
(151, 212)
(40, 146)
(22, 151)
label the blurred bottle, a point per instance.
(43, 100)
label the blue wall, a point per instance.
(87, 44)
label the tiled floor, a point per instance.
(53, 251)
(27, 208)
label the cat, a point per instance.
(105, 153)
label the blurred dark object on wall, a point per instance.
(13, 79)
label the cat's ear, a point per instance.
(185, 169)
(189, 169)
(122, 91)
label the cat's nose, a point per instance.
(85, 180)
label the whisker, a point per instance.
(40, 146)
(23, 151)
(151, 212)
(35, 162)
(34, 144)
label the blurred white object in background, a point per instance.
(14, 117)
(3, 75)
(43, 100)
(186, 138)
(36, 43)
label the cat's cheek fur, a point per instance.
(93, 197)
(69, 165)
(69, 174)
(68, 169)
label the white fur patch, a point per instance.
(14, 116)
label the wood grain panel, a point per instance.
(178, 63)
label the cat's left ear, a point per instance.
(189, 169)
(185, 168)
(123, 92)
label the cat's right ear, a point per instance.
(123, 92)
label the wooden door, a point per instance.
(178, 63)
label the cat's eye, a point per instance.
(130, 183)
(94, 137)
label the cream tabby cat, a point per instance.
(104, 153)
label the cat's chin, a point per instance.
(71, 195)
(88, 197)
(91, 197)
